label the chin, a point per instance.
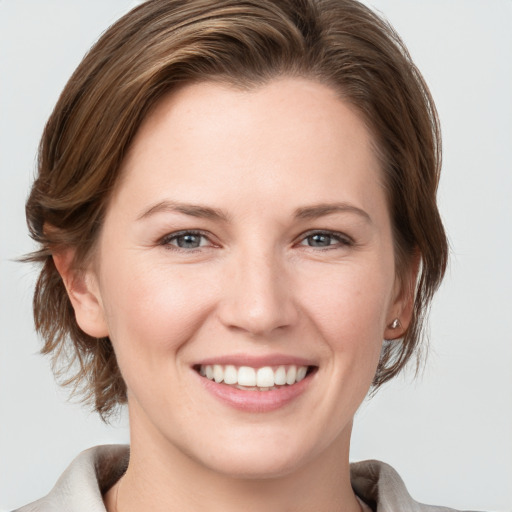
(260, 452)
(256, 465)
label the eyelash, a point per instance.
(168, 239)
(341, 239)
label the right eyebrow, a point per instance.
(194, 210)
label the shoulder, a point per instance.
(81, 486)
(94, 471)
(379, 485)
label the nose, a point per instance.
(258, 295)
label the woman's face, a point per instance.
(248, 240)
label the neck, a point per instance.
(161, 477)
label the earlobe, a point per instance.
(83, 292)
(402, 309)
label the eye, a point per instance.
(323, 239)
(186, 240)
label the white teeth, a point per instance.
(218, 373)
(290, 375)
(246, 376)
(301, 373)
(230, 375)
(263, 379)
(280, 376)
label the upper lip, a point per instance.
(256, 361)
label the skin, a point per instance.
(258, 285)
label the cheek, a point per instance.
(349, 308)
(151, 309)
(349, 303)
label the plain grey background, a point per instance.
(448, 433)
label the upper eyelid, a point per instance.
(329, 232)
(335, 234)
(176, 234)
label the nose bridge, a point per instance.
(258, 295)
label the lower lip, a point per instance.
(256, 401)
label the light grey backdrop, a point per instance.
(449, 433)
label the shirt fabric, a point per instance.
(94, 471)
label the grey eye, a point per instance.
(185, 240)
(323, 239)
(188, 241)
(320, 240)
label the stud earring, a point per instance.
(395, 324)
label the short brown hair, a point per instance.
(166, 43)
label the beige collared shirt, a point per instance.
(94, 471)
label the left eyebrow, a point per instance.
(194, 210)
(323, 209)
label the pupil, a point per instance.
(188, 241)
(320, 240)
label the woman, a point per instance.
(236, 206)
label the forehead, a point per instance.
(290, 134)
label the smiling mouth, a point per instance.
(266, 378)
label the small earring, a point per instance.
(395, 324)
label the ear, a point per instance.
(403, 304)
(83, 292)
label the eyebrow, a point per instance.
(194, 210)
(307, 212)
(321, 210)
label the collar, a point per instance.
(94, 471)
